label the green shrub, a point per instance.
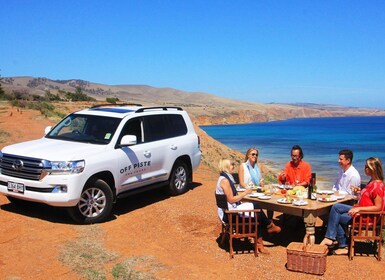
(112, 100)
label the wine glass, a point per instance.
(296, 180)
(250, 184)
(356, 192)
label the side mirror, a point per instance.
(47, 129)
(128, 140)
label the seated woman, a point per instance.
(372, 199)
(225, 185)
(249, 172)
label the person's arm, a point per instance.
(282, 177)
(376, 207)
(261, 183)
(355, 181)
(225, 185)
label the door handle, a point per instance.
(173, 147)
(147, 153)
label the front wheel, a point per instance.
(179, 178)
(95, 203)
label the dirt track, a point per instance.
(169, 237)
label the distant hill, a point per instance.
(205, 108)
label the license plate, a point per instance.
(15, 187)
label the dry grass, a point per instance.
(87, 256)
(3, 136)
(139, 268)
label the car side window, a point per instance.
(133, 127)
(158, 127)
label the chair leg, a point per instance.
(223, 233)
(351, 249)
(379, 245)
(231, 247)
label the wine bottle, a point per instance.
(310, 188)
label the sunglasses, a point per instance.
(254, 154)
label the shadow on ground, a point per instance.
(59, 214)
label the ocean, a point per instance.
(320, 138)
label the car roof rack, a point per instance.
(117, 105)
(164, 108)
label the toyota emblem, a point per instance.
(17, 165)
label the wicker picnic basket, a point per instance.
(306, 258)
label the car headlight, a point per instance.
(65, 167)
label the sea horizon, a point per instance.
(320, 138)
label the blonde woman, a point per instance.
(372, 199)
(249, 171)
(226, 186)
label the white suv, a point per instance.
(96, 155)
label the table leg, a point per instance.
(310, 226)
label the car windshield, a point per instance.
(85, 128)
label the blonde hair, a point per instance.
(224, 165)
(375, 165)
(249, 152)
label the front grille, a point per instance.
(21, 167)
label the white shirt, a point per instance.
(346, 179)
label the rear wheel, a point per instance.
(179, 178)
(95, 203)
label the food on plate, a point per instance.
(283, 191)
(285, 200)
(299, 188)
(329, 192)
(300, 202)
(329, 198)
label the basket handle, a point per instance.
(306, 242)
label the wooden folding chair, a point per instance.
(238, 224)
(367, 226)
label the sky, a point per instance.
(307, 51)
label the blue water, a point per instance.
(320, 138)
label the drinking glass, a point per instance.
(356, 192)
(250, 184)
(296, 180)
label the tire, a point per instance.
(95, 203)
(179, 178)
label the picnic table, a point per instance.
(309, 212)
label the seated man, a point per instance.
(297, 171)
(348, 176)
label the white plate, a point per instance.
(278, 186)
(300, 202)
(256, 194)
(284, 201)
(265, 197)
(327, 199)
(325, 192)
(240, 189)
(340, 196)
